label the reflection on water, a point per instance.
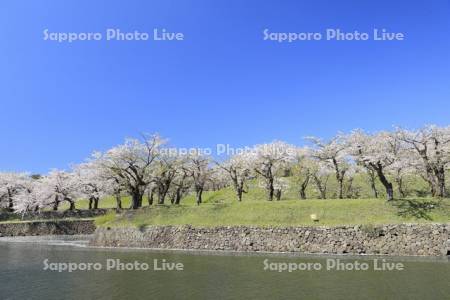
(205, 275)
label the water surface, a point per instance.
(205, 275)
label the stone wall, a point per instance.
(399, 240)
(52, 214)
(61, 227)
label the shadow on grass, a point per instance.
(220, 206)
(419, 209)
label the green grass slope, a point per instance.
(220, 208)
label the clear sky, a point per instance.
(222, 84)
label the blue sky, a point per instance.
(222, 84)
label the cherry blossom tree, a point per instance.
(402, 167)
(372, 176)
(141, 166)
(180, 186)
(111, 181)
(269, 160)
(198, 168)
(60, 186)
(238, 169)
(92, 183)
(376, 152)
(219, 178)
(302, 170)
(350, 190)
(320, 174)
(31, 197)
(165, 170)
(280, 186)
(10, 185)
(132, 164)
(333, 152)
(151, 191)
(431, 146)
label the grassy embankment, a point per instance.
(221, 208)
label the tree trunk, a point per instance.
(323, 194)
(387, 185)
(430, 173)
(373, 185)
(10, 201)
(270, 194)
(11, 204)
(199, 196)
(56, 203)
(118, 201)
(302, 193)
(440, 174)
(390, 192)
(163, 188)
(341, 188)
(150, 196)
(401, 191)
(71, 202)
(303, 187)
(340, 179)
(270, 189)
(349, 190)
(374, 189)
(239, 194)
(277, 194)
(162, 195)
(178, 196)
(321, 187)
(238, 186)
(136, 200)
(432, 189)
(93, 202)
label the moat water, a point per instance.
(37, 268)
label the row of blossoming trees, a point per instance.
(148, 169)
